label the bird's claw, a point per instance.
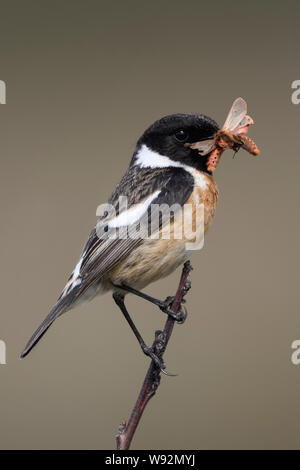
(157, 361)
(168, 373)
(180, 316)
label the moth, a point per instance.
(231, 136)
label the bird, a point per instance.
(171, 167)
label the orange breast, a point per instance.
(157, 258)
(206, 193)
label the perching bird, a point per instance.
(171, 165)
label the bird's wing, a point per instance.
(171, 186)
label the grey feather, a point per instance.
(61, 306)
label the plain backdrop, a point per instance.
(84, 79)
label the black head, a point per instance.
(168, 136)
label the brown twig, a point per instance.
(152, 379)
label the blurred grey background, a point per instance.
(84, 79)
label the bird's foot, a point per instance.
(180, 316)
(159, 363)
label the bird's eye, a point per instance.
(181, 135)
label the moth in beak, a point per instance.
(231, 136)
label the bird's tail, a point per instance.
(62, 306)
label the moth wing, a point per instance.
(247, 121)
(242, 128)
(203, 146)
(236, 114)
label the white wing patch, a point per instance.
(133, 214)
(75, 278)
(76, 271)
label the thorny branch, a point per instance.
(152, 380)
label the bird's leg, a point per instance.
(164, 305)
(119, 299)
